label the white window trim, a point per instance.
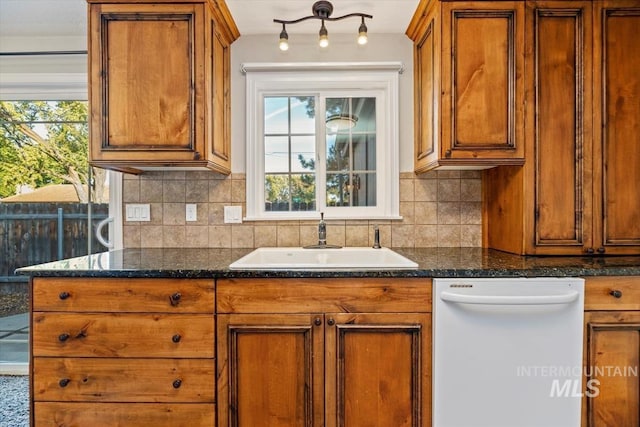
(381, 78)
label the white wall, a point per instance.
(304, 48)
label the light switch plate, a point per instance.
(191, 212)
(233, 214)
(137, 212)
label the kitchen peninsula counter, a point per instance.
(432, 262)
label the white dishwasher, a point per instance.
(507, 352)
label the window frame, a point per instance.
(52, 86)
(322, 80)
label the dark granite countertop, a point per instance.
(432, 262)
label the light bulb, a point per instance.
(324, 36)
(362, 33)
(284, 39)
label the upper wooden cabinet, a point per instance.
(159, 84)
(469, 87)
(579, 189)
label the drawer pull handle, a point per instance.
(331, 322)
(616, 293)
(317, 321)
(63, 337)
(64, 295)
(176, 338)
(64, 382)
(177, 383)
(175, 299)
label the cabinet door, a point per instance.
(378, 370)
(146, 67)
(558, 131)
(219, 144)
(617, 115)
(612, 357)
(482, 79)
(271, 370)
(427, 91)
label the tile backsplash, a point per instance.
(439, 209)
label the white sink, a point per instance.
(296, 258)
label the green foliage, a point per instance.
(43, 142)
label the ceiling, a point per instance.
(67, 18)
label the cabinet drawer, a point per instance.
(612, 293)
(123, 380)
(123, 295)
(359, 295)
(123, 335)
(71, 414)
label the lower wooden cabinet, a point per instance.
(612, 352)
(123, 352)
(282, 366)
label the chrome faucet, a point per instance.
(322, 236)
(376, 237)
(322, 231)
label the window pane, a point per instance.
(276, 192)
(290, 192)
(351, 151)
(364, 152)
(303, 116)
(365, 110)
(303, 192)
(276, 154)
(337, 153)
(337, 194)
(364, 190)
(276, 115)
(303, 153)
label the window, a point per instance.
(322, 138)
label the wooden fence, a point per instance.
(30, 234)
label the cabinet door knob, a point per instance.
(177, 383)
(331, 322)
(616, 293)
(176, 338)
(64, 382)
(317, 321)
(175, 299)
(601, 250)
(64, 295)
(63, 337)
(589, 250)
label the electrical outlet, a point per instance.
(233, 214)
(191, 212)
(137, 212)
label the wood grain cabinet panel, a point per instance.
(123, 295)
(611, 352)
(122, 335)
(617, 119)
(122, 351)
(469, 92)
(74, 414)
(124, 380)
(578, 191)
(323, 368)
(378, 369)
(159, 80)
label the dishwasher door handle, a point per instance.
(565, 298)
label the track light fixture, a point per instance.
(322, 10)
